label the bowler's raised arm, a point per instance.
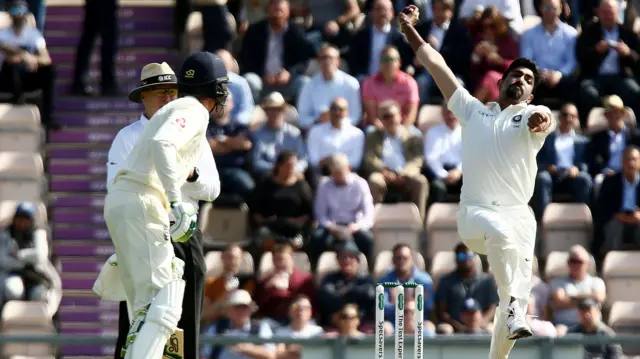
(427, 55)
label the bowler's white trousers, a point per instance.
(139, 227)
(507, 235)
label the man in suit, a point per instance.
(608, 55)
(367, 44)
(393, 159)
(606, 146)
(562, 164)
(452, 39)
(617, 214)
(274, 54)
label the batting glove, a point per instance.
(186, 221)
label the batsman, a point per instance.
(146, 190)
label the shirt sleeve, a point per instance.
(320, 206)
(432, 153)
(306, 115)
(367, 91)
(313, 150)
(180, 128)
(266, 333)
(598, 285)
(247, 104)
(463, 104)
(355, 150)
(39, 253)
(541, 136)
(117, 156)
(526, 45)
(368, 209)
(414, 93)
(207, 187)
(354, 101)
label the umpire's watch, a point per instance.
(195, 176)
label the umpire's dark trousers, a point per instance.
(194, 270)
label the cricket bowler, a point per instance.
(159, 86)
(500, 142)
(146, 189)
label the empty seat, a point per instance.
(445, 262)
(30, 350)
(565, 225)
(596, 120)
(23, 116)
(20, 164)
(24, 313)
(384, 263)
(396, 223)
(21, 140)
(328, 262)
(428, 116)
(621, 274)
(8, 209)
(624, 319)
(557, 265)
(213, 261)
(21, 190)
(221, 226)
(300, 261)
(441, 227)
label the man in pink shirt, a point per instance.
(390, 84)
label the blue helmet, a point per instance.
(204, 74)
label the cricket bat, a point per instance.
(175, 346)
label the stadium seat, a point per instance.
(300, 261)
(21, 140)
(624, 319)
(328, 262)
(26, 318)
(17, 190)
(565, 225)
(428, 116)
(621, 274)
(8, 209)
(19, 165)
(557, 265)
(441, 227)
(21, 116)
(222, 226)
(444, 262)
(396, 223)
(596, 120)
(213, 261)
(384, 263)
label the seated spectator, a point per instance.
(337, 135)
(347, 321)
(369, 41)
(464, 283)
(539, 327)
(562, 164)
(315, 98)
(279, 66)
(472, 319)
(282, 204)
(230, 144)
(334, 19)
(510, 9)
(347, 286)
(579, 284)
(494, 50)
(26, 64)
(551, 44)
(277, 289)
(242, 100)
(607, 55)
(274, 136)
(452, 39)
(239, 309)
(301, 325)
(428, 328)
(541, 292)
(404, 270)
(26, 250)
(590, 323)
(443, 157)
(606, 146)
(390, 83)
(216, 289)
(617, 211)
(344, 210)
(393, 159)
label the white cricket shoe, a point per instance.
(517, 323)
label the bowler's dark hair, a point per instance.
(528, 64)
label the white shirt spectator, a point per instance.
(565, 149)
(264, 333)
(438, 32)
(316, 97)
(378, 42)
(617, 143)
(310, 330)
(510, 9)
(572, 288)
(325, 140)
(393, 153)
(30, 39)
(442, 146)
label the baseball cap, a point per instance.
(202, 68)
(471, 305)
(18, 7)
(240, 297)
(587, 303)
(26, 209)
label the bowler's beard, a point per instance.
(514, 92)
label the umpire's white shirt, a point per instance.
(498, 150)
(206, 188)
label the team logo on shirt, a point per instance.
(181, 122)
(516, 121)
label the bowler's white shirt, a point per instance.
(168, 148)
(443, 146)
(206, 188)
(498, 150)
(325, 140)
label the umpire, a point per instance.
(158, 86)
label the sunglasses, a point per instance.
(163, 92)
(18, 11)
(575, 261)
(549, 8)
(338, 108)
(462, 257)
(386, 59)
(388, 116)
